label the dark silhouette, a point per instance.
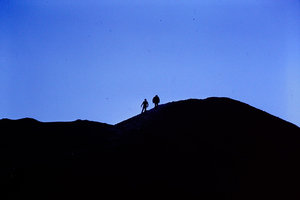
(144, 105)
(156, 101)
(216, 148)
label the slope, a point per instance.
(215, 146)
(211, 149)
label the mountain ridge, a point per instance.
(152, 110)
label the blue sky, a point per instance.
(63, 60)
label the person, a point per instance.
(156, 101)
(145, 104)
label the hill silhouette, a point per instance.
(216, 148)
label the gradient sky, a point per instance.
(63, 60)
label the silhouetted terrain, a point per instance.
(216, 148)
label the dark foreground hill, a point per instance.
(216, 148)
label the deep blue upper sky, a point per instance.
(63, 60)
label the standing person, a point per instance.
(145, 104)
(156, 101)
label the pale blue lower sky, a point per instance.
(64, 60)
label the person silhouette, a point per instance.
(145, 104)
(156, 101)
